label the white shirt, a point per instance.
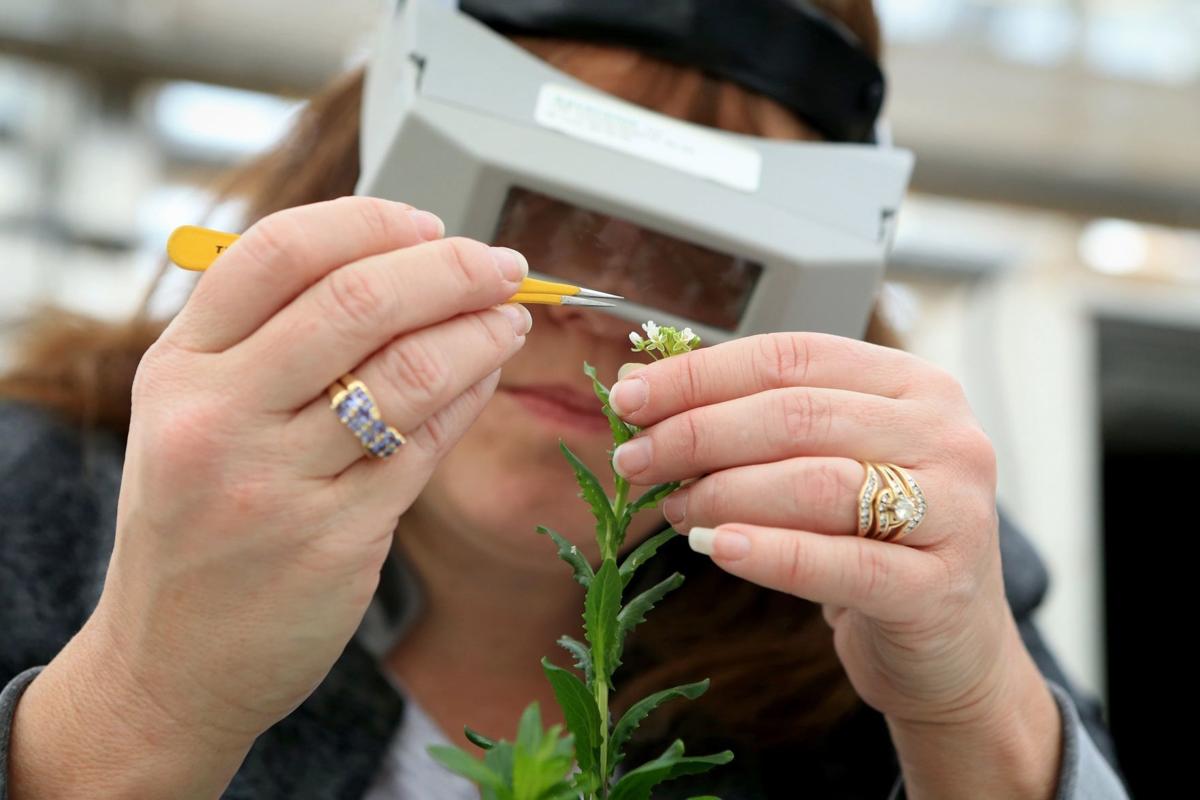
(408, 772)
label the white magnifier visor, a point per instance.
(725, 233)
(574, 244)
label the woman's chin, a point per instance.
(501, 503)
(507, 475)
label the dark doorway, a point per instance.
(1150, 418)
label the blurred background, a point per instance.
(1049, 254)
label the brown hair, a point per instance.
(84, 368)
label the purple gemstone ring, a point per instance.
(356, 408)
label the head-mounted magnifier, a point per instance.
(725, 233)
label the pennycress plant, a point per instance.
(539, 764)
(667, 341)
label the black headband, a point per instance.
(787, 50)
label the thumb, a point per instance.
(627, 369)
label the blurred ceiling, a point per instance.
(1091, 106)
(1060, 138)
(270, 45)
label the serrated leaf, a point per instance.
(641, 709)
(634, 612)
(652, 497)
(601, 623)
(599, 388)
(580, 711)
(583, 657)
(591, 491)
(622, 431)
(649, 499)
(478, 739)
(643, 553)
(638, 783)
(571, 554)
(461, 763)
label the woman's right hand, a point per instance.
(250, 527)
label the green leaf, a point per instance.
(635, 611)
(652, 497)
(526, 769)
(642, 553)
(599, 388)
(580, 785)
(529, 729)
(541, 759)
(641, 709)
(568, 792)
(593, 493)
(478, 739)
(555, 745)
(580, 711)
(622, 431)
(601, 621)
(459, 762)
(570, 554)
(583, 657)
(500, 760)
(584, 783)
(637, 784)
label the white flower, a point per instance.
(635, 338)
(686, 336)
(651, 329)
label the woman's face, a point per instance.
(507, 474)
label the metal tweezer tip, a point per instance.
(594, 293)
(584, 301)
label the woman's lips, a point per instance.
(561, 406)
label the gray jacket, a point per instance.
(58, 494)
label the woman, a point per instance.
(228, 649)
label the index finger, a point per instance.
(757, 364)
(283, 254)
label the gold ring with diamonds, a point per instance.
(890, 503)
(356, 408)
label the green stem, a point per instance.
(609, 547)
(602, 704)
(618, 509)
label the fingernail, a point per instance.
(430, 226)
(627, 369)
(632, 457)
(675, 507)
(512, 265)
(519, 316)
(726, 545)
(628, 396)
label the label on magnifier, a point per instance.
(646, 134)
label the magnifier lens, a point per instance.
(615, 255)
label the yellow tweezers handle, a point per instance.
(196, 248)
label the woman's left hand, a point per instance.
(776, 425)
